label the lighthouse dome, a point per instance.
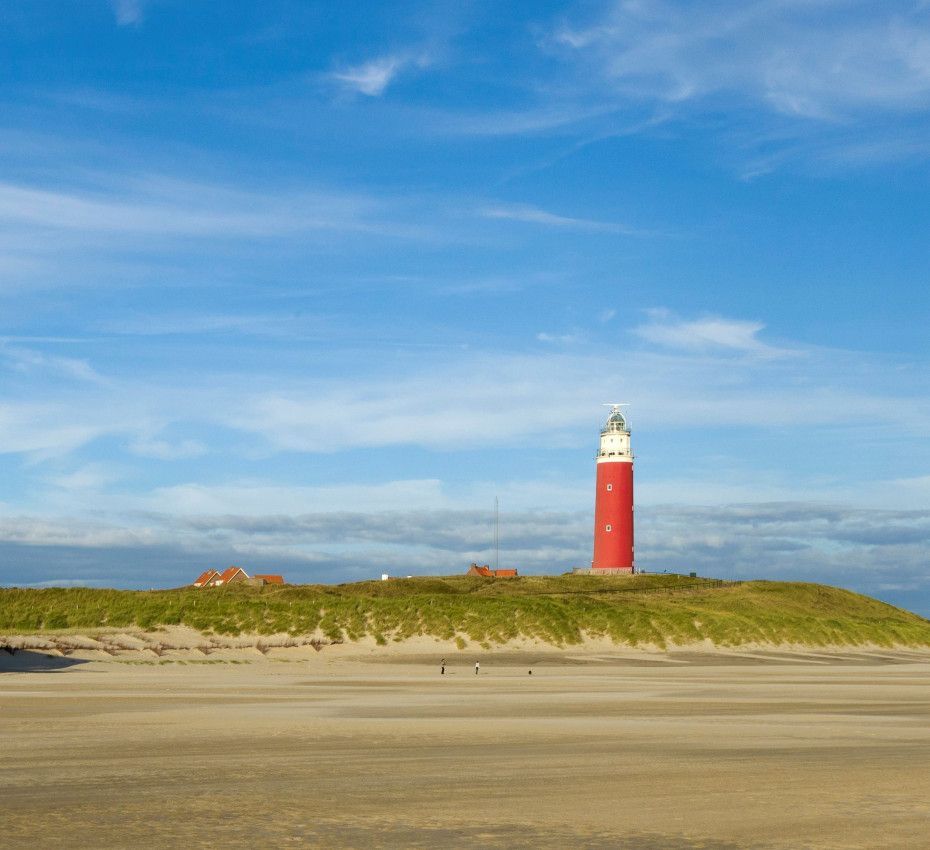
(615, 423)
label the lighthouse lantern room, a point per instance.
(613, 503)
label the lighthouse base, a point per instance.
(606, 571)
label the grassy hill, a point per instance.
(560, 610)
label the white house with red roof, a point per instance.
(234, 575)
(207, 578)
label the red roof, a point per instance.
(206, 577)
(229, 574)
(271, 579)
(487, 572)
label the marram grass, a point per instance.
(560, 610)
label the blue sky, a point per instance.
(303, 286)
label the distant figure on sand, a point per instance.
(442, 667)
(477, 667)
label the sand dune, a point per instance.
(180, 643)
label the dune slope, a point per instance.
(645, 610)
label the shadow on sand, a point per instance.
(30, 661)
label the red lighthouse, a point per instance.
(613, 503)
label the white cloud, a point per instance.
(476, 400)
(201, 324)
(66, 234)
(819, 60)
(552, 118)
(67, 582)
(73, 531)
(718, 374)
(259, 497)
(169, 208)
(128, 12)
(166, 450)
(708, 333)
(535, 215)
(48, 428)
(28, 361)
(481, 400)
(717, 371)
(372, 78)
(564, 339)
(91, 477)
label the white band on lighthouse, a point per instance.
(615, 438)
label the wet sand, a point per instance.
(633, 750)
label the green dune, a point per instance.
(560, 610)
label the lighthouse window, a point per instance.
(610, 487)
(609, 528)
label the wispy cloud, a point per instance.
(167, 450)
(128, 12)
(171, 208)
(30, 361)
(372, 78)
(90, 477)
(67, 582)
(535, 215)
(819, 60)
(70, 234)
(716, 369)
(482, 400)
(549, 118)
(245, 497)
(53, 428)
(205, 324)
(564, 339)
(707, 334)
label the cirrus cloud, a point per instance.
(818, 60)
(372, 78)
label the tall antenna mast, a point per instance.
(497, 535)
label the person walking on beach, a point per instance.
(477, 667)
(442, 667)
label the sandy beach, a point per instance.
(349, 747)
